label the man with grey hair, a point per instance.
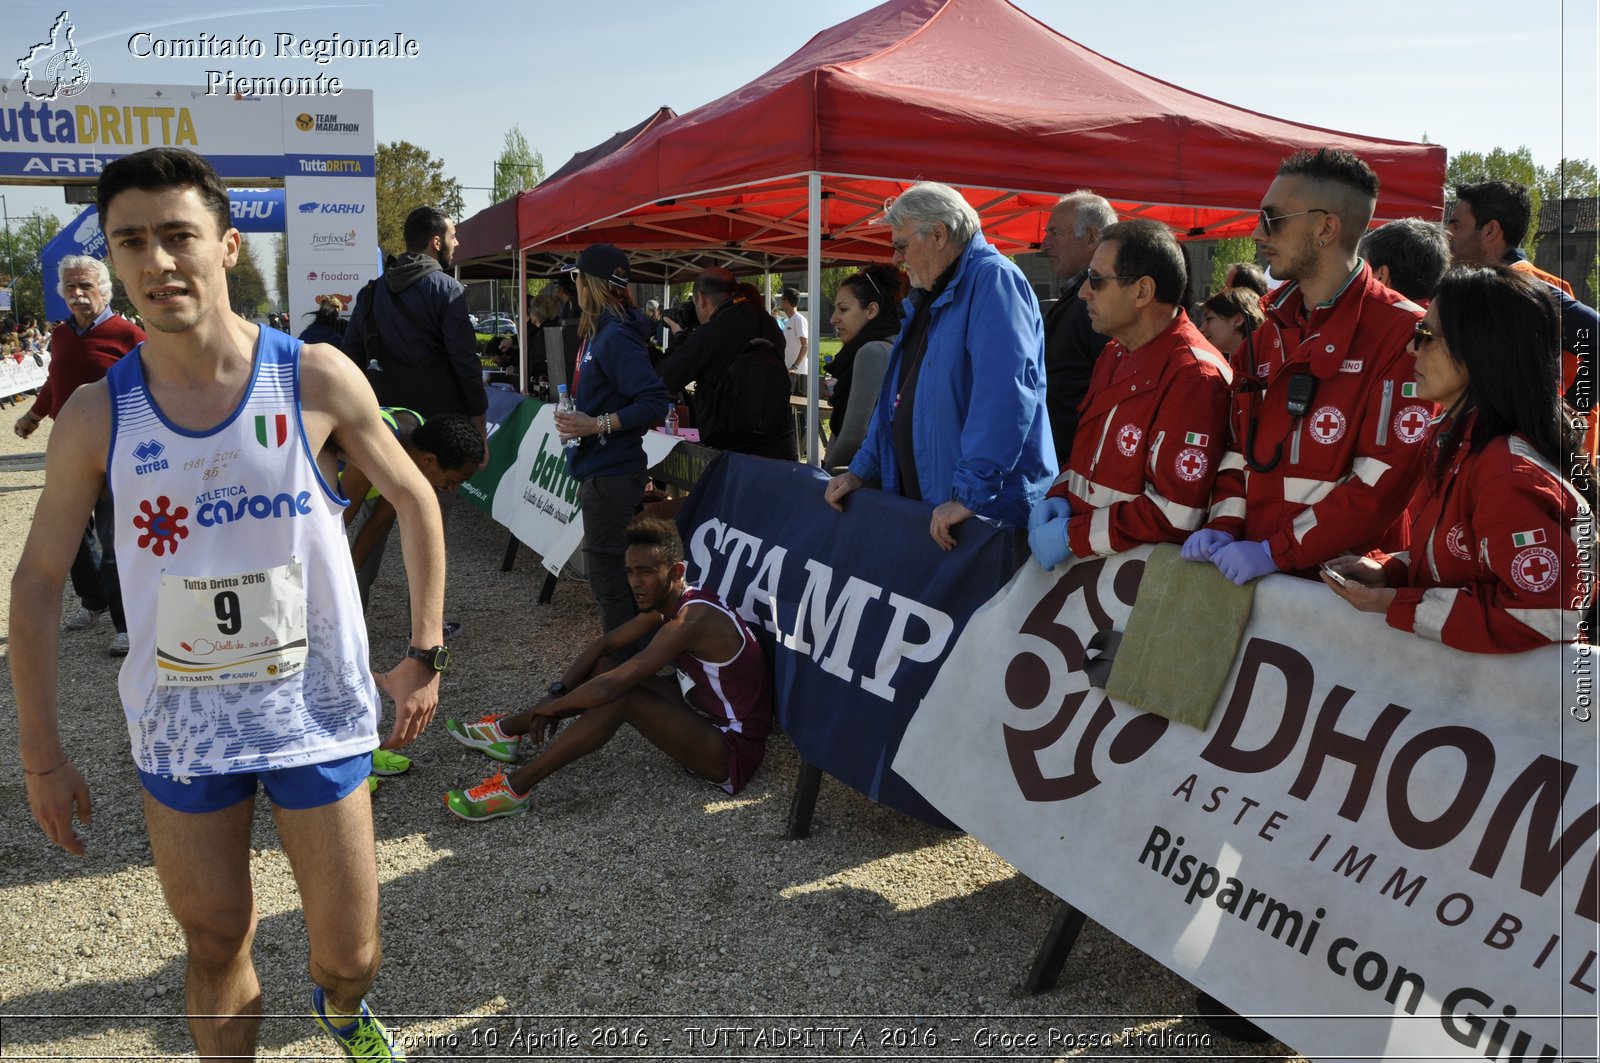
(1409, 255)
(972, 435)
(1071, 344)
(82, 348)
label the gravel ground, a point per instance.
(634, 913)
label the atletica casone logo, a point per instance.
(54, 68)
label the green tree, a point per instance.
(1227, 253)
(518, 168)
(409, 177)
(28, 235)
(1571, 179)
(247, 289)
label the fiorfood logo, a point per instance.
(333, 241)
(54, 68)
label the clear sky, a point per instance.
(1469, 74)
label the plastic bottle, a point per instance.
(564, 404)
(672, 420)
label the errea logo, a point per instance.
(150, 459)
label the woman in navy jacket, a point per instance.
(618, 398)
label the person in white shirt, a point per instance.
(796, 343)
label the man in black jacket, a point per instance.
(1070, 344)
(417, 313)
(730, 319)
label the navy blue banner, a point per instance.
(855, 610)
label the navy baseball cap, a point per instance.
(603, 262)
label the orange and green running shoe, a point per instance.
(486, 737)
(490, 799)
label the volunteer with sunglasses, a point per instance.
(1326, 427)
(1497, 556)
(1154, 421)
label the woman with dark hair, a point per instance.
(325, 327)
(618, 397)
(1229, 316)
(1500, 547)
(866, 315)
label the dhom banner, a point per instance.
(856, 611)
(526, 485)
(1383, 847)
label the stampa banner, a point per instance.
(1385, 847)
(856, 611)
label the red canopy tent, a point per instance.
(974, 93)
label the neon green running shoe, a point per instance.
(486, 737)
(365, 1038)
(372, 784)
(490, 799)
(386, 763)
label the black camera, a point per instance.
(683, 314)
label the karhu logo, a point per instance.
(149, 455)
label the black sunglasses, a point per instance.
(1096, 280)
(1268, 221)
(1421, 336)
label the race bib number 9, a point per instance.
(245, 628)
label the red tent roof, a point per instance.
(974, 93)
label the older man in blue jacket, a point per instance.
(961, 420)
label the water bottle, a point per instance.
(564, 404)
(672, 420)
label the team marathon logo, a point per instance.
(1128, 437)
(325, 123)
(150, 459)
(54, 68)
(1328, 425)
(160, 526)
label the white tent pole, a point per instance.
(522, 321)
(814, 285)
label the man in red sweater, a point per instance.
(81, 349)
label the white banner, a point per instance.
(26, 375)
(332, 237)
(1384, 847)
(538, 500)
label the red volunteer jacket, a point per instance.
(1151, 430)
(1494, 565)
(1346, 467)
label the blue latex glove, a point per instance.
(1049, 543)
(1244, 561)
(1047, 510)
(1203, 544)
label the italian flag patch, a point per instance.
(272, 430)
(1528, 538)
(1196, 439)
(1408, 390)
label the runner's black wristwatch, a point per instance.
(557, 689)
(437, 658)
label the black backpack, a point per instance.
(748, 405)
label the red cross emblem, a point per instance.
(1128, 439)
(1327, 425)
(1411, 424)
(1456, 542)
(1191, 463)
(1534, 569)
